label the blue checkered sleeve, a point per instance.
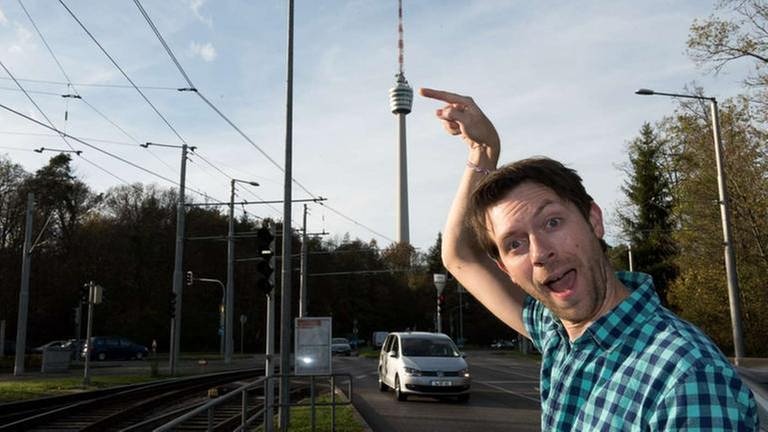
(707, 398)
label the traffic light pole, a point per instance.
(88, 330)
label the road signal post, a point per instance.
(94, 297)
(439, 280)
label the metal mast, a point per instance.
(400, 101)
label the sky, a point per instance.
(557, 78)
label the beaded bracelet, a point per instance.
(478, 169)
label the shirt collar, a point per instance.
(637, 308)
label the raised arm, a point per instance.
(461, 253)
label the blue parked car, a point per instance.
(114, 348)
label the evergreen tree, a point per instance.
(647, 221)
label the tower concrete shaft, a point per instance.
(401, 100)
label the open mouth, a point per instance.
(562, 284)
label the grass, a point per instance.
(301, 420)
(36, 388)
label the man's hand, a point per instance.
(462, 116)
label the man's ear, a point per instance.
(596, 220)
(500, 265)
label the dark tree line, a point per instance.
(124, 240)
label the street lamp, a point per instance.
(730, 260)
(230, 303)
(439, 280)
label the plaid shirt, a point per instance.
(638, 368)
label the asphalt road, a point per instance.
(504, 398)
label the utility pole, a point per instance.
(26, 265)
(229, 308)
(178, 284)
(303, 279)
(285, 309)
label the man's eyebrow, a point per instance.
(543, 207)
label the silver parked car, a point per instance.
(340, 346)
(426, 364)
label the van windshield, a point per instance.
(429, 348)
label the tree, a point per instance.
(647, 219)
(700, 291)
(741, 35)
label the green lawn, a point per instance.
(35, 388)
(301, 420)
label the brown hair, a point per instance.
(564, 181)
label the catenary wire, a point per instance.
(121, 159)
(194, 89)
(121, 86)
(114, 63)
(74, 89)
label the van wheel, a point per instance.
(101, 356)
(139, 356)
(399, 395)
(382, 387)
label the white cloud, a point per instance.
(195, 5)
(205, 51)
(3, 19)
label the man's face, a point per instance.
(549, 250)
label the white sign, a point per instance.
(313, 346)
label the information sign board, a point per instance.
(313, 346)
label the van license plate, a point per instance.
(442, 383)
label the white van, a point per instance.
(426, 364)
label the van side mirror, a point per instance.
(393, 354)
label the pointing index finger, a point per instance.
(444, 96)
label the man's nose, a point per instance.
(542, 250)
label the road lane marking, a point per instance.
(502, 389)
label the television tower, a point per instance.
(400, 101)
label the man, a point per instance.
(526, 240)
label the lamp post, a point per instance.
(730, 260)
(230, 301)
(439, 280)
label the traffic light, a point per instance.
(84, 293)
(265, 268)
(265, 239)
(190, 278)
(265, 277)
(172, 305)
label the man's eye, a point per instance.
(553, 222)
(514, 245)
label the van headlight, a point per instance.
(464, 373)
(412, 371)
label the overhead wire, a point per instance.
(148, 171)
(119, 68)
(70, 85)
(122, 86)
(195, 90)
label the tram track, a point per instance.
(134, 407)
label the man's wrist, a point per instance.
(479, 168)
